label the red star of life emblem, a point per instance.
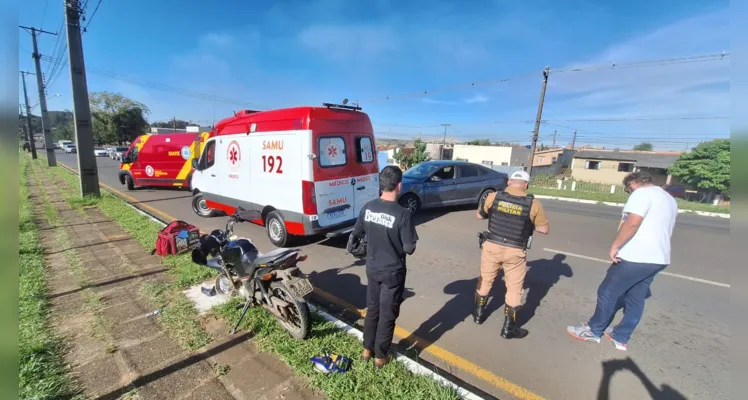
(332, 151)
(233, 156)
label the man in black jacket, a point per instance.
(390, 236)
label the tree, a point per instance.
(128, 124)
(644, 146)
(480, 142)
(117, 118)
(418, 155)
(178, 124)
(706, 167)
(65, 131)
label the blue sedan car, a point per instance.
(448, 183)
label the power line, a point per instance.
(552, 121)
(450, 88)
(59, 53)
(650, 63)
(634, 64)
(44, 12)
(159, 86)
(93, 14)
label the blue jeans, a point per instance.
(626, 283)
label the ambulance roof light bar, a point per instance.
(343, 106)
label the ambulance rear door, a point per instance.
(335, 188)
(366, 181)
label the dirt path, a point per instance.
(115, 349)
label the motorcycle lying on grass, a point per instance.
(271, 280)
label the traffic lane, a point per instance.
(109, 175)
(700, 252)
(562, 291)
(614, 213)
(451, 263)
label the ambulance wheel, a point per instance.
(411, 202)
(129, 183)
(276, 229)
(200, 207)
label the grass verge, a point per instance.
(363, 381)
(180, 319)
(621, 198)
(101, 327)
(42, 374)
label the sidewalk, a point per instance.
(95, 271)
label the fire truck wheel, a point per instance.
(200, 207)
(129, 183)
(276, 229)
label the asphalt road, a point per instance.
(680, 346)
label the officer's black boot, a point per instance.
(511, 330)
(480, 308)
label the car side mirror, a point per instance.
(126, 159)
(195, 164)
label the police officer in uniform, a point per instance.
(512, 215)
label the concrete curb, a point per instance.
(608, 203)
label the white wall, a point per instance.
(478, 154)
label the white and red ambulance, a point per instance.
(308, 170)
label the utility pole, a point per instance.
(573, 142)
(538, 118)
(444, 142)
(554, 138)
(174, 123)
(32, 143)
(51, 159)
(89, 174)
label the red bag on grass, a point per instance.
(176, 238)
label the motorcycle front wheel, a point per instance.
(298, 324)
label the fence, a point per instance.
(550, 182)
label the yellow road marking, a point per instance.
(433, 349)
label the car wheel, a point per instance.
(200, 206)
(129, 182)
(276, 229)
(411, 202)
(483, 196)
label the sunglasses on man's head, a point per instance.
(627, 189)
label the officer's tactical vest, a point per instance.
(509, 222)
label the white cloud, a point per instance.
(476, 99)
(435, 101)
(216, 40)
(352, 44)
(698, 88)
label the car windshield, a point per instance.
(420, 171)
(121, 149)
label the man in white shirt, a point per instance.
(639, 252)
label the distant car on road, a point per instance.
(56, 146)
(448, 183)
(677, 191)
(99, 152)
(118, 152)
(70, 149)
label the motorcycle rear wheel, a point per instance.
(299, 326)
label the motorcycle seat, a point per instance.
(271, 256)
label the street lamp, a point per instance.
(54, 95)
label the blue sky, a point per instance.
(288, 53)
